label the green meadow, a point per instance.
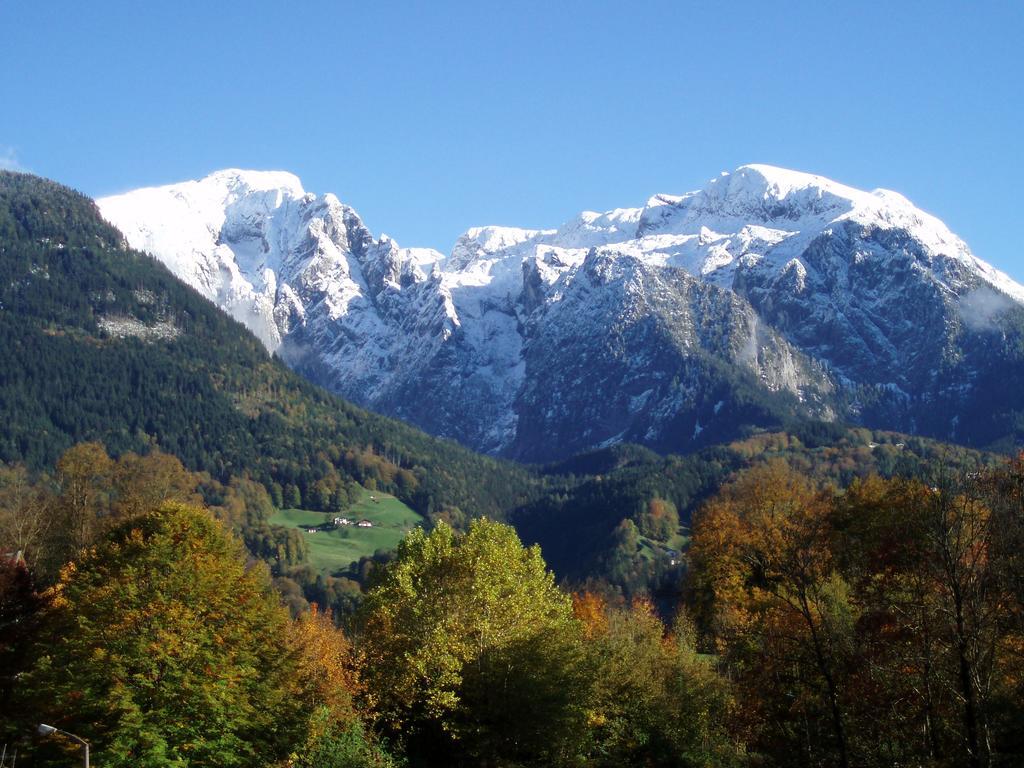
(333, 550)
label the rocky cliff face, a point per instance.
(766, 296)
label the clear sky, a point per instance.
(433, 117)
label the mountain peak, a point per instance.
(782, 181)
(242, 180)
(769, 192)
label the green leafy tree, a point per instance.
(653, 700)
(472, 651)
(343, 746)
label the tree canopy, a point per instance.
(878, 626)
(161, 648)
(472, 650)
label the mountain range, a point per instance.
(103, 343)
(766, 297)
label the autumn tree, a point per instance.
(770, 592)
(471, 651)
(893, 606)
(1004, 493)
(659, 519)
(328, 683)
(84, 476)
(91, 493)
(25, 515)
(326, 665)
(882, 545)
(960, 534)
(142, 483)
(161, 648)
(932, 557)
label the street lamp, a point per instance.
(47, 730)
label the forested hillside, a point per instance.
(622, 515)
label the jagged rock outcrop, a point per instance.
(765, 296)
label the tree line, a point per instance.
(881, 626)
(878, 625)
(162, 644)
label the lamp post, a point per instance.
(47, 730)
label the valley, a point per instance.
(141, 417)
(511, 385)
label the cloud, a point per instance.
(981, 308)
(9, 159)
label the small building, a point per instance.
(365, 524)
(342, 521)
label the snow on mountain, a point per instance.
(226, 235)
(634, 324)
(760, 211)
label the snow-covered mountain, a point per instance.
(765, 296)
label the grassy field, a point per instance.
(332, 551)
(652, 550)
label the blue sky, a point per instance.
(433, 117)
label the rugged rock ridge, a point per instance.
(767, 295)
